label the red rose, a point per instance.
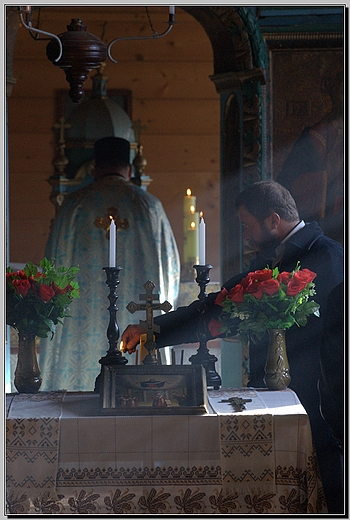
(236, 294)
(214, 327)
(21, 274)
(283, 277)
(270, 287)
(262, 274)
(255, 290)
(221, 297)
(46, 292)
(294, 287)
(247, 280)
(305, 275)
(22, 286)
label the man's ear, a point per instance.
(129, 173)
(273, 221)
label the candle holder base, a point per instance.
(208, 361)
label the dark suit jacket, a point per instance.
(331, 384)
(316, 252)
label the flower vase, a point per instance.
(277, 375)
(27, 374)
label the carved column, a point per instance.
(241, 150)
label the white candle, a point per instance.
(201, 240)
(189, 203)
(171, 9)
(112, 242)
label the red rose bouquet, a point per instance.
(37, 300)
(266, 299)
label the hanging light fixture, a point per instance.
(77, 52)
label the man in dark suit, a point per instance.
(331, 383)
(271, 224)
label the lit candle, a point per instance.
(201, 240)
(189, 206)
(112, 242)
(191, 238)
(191, 229)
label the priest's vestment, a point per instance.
(146, 250)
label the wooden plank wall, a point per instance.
(172, 95)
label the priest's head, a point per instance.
(112, 157)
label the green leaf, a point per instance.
(30, 269)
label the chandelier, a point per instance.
(77, 52)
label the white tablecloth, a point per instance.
(63, 457)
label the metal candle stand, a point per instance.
(203, 357)
(113, 355)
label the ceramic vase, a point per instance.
(277, 375)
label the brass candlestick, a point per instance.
(113, 356)
(203, 357)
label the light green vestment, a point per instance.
(146, 250)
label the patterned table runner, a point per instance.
(246, 444)
(32, 447)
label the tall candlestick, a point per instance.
(112, 242)
(201, 240)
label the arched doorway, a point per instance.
(239, 74)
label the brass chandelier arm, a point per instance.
(154, 36)
(31, 29)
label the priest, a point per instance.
(145, 250)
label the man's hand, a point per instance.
(131, 337)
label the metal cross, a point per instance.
(61, 126)
(105, 222)
(237, 402)
(149, 306)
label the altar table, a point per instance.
(63, 457)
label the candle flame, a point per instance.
(192, 209)
(193, 225)
(121, 345)
(189, 192)
(201, 214)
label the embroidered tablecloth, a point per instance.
(259, 460)
(32, 446)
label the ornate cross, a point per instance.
(61, 126)
(149, 307)
(60, 161)
(237, 402)
(105, 222)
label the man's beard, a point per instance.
(267, 242)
